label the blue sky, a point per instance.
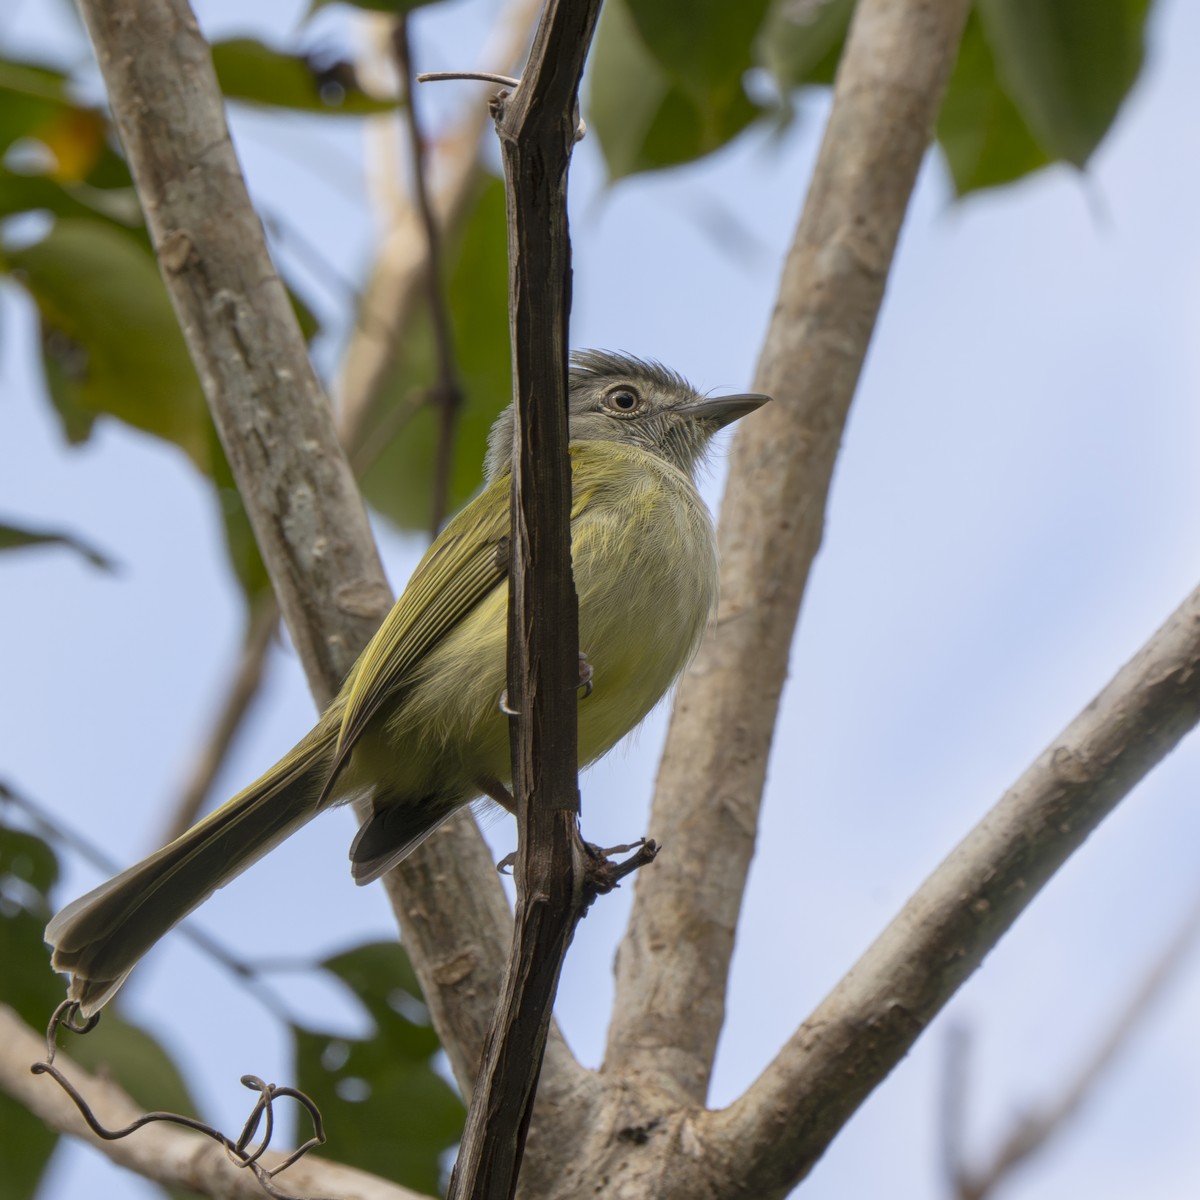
(1014, 512)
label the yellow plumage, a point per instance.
(417, 727)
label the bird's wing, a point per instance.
(466, 561)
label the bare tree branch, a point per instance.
(1039, 1127)
(243, 687)
(270, 410)
(168, 1155)
(672, 968)
(537, 128)
(776, 1131)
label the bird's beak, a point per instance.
(724, 410)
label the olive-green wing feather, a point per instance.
(466, 561)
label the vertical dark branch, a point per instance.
(447, 391)
(537, 127)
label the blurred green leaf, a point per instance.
(111, 346)
(13, 537)
(35, 104)
(110, 342)
(30, 95)
(240, 543)
(801, 42)
(399, 482)
(702, 45)
(386, 1110)
(250, 71)
(395, 7)
(1067, 64)
(136, 1060)
(20, 192)
(28, 869)
(982, 134)
(309, 322)
(645, 115)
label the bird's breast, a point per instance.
(644, 558)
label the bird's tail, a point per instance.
(99, 938)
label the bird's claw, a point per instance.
(505, 707)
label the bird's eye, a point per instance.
(623, 401)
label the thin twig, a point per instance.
(370, 444)
(952, 1108)
(242, 1152)
(395, 283)
(173, 1157)
(239, 695)
(288, 236)
(482, 76)
(447, 392)
(1039, 1127)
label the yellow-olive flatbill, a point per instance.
(417, 728)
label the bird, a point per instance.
(419, 726)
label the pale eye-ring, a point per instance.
(622, 402)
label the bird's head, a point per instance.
(617, 398)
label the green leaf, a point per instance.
(1068, 65)
(801, 43)
(701, 45)
(28, 870)
(27, 860)
(35, 104)
(136, 1060)
(240, 542)
(982, 133)
(644, 114)
(399, 482)
(250, 71)
(110, 342)
(32, 193)
(30, 95)
(111, 346)
(13, 537)
(394, 7)
(386, 1110)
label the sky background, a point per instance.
(1014, 512)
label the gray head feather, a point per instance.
(619, 398)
